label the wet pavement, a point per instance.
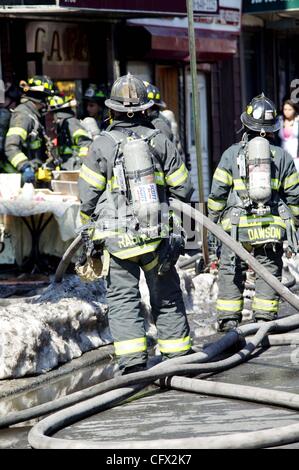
(174, 414)
(169, 413)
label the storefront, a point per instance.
(270, 43)
(80, 41)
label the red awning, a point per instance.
(172, 43)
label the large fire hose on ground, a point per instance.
(120, 388)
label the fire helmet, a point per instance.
(38, 87)
(58, 103)
(261, 115)
(128, 95)
(94, 94)
(153, 93)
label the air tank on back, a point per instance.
(259, 170)
(140, 172)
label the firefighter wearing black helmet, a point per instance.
(255, 197)
(25, 144)
(116, 184)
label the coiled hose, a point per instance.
(39, 434)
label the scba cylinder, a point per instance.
(259, 169)
(141, 176)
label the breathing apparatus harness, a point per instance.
(134, 173)
(254, 164)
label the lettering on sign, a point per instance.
(62, 46)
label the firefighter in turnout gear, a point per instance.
(11, 100)
(94, 98)
(164, 119)
(155, 114)
(72, 139)
(130, 168)
(25, 144)
(255, 197)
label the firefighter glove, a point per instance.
(171, 249)
(28, 175)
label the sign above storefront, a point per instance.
(22, 3)
(63, 47)
(177, 7)
(259, 6)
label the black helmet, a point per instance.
(12, 92)
(38, 87)
(261, 115)
(94, 94)
(153, 93)
(128, 95)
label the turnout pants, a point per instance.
(125, 316)
(232, 275)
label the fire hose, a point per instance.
(118, 389)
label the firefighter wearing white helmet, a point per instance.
(73, 140)
(129, 174)
(25, 144)
(255, 197)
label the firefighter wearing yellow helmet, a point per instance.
(255, 197)
(72, 139)
(25, 143)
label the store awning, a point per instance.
(172, 43)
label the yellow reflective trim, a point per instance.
(239, 184)
(17, 131)
(84, 217)
(223, 176)
(216, 205)
(93, 178)
(267, 305)
(112, 184)
(137, 250)
(294, 209)
(275, 183)
(242, 184)
(19, 158)
(174, 345)
(78, 133)
(290, 181)
(177, 177)
(149, 266)
(83, 151)
(230, 305)
(159, 178)
(130, 346)
(254, 221)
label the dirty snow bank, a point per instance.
(70, 318)
(59, 325)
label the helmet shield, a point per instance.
(94, 94)
(261, 115)
(128, 95)
(153, 93)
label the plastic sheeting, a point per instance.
(57, 235)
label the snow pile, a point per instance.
(70, 318)
(57, 326)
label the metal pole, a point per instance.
(196, 120)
